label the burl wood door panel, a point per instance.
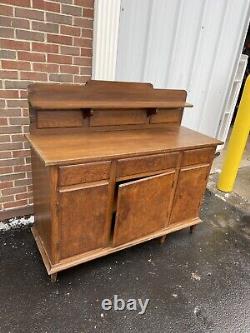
(189, 192)
(83, 219)
(142, 207)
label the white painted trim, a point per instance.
(105, 40)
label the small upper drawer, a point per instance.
(151, 163)
(83, 173)
(198, 156)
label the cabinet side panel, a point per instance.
(41, 193)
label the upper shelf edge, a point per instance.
(74, 104)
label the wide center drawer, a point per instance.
(146, 164)
(84, 173)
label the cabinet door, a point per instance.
(143, 207)
(189, 192)
(83, 219)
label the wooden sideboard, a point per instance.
(112, 167)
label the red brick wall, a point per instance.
(40, 41)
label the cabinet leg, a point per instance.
(191, 229)
(162, 239)
(53, 277)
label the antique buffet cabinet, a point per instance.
(112, 167)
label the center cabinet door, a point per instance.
(83, 218)
(143, 207)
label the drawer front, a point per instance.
(152, 163)
(83, 173)
(198, 156)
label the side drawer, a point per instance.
(83, 173)
(139, 165)
(198, 156)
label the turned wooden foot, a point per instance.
(53, 277)
(191, 229)
(162, 239)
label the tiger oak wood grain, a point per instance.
(142, 207)
(104, 96)
(112, 168)
(118, 117)
(167, 116)
(42, 196)
(198, 156)
(60, 119)
(138, 165)
(191, 186)
(83, 222)
(82, 147)
(83, 173)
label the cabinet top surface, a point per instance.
(67, 148)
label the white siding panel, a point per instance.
(106, 24)
(193, 45)
(156, 61)
(134, 39)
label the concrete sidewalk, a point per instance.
(195, 283)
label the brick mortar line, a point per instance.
(44, 52)
(15, 173)
(17, 188)
(5, 126)
(36, 41)
(40, 63)
(23, 89)
(45, 39)
(36, 72)
(12, 158)
(45, 19)
(45, 10)
(21, 149)
(44, 62)
(30, 81)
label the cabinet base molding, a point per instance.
(82, 258)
